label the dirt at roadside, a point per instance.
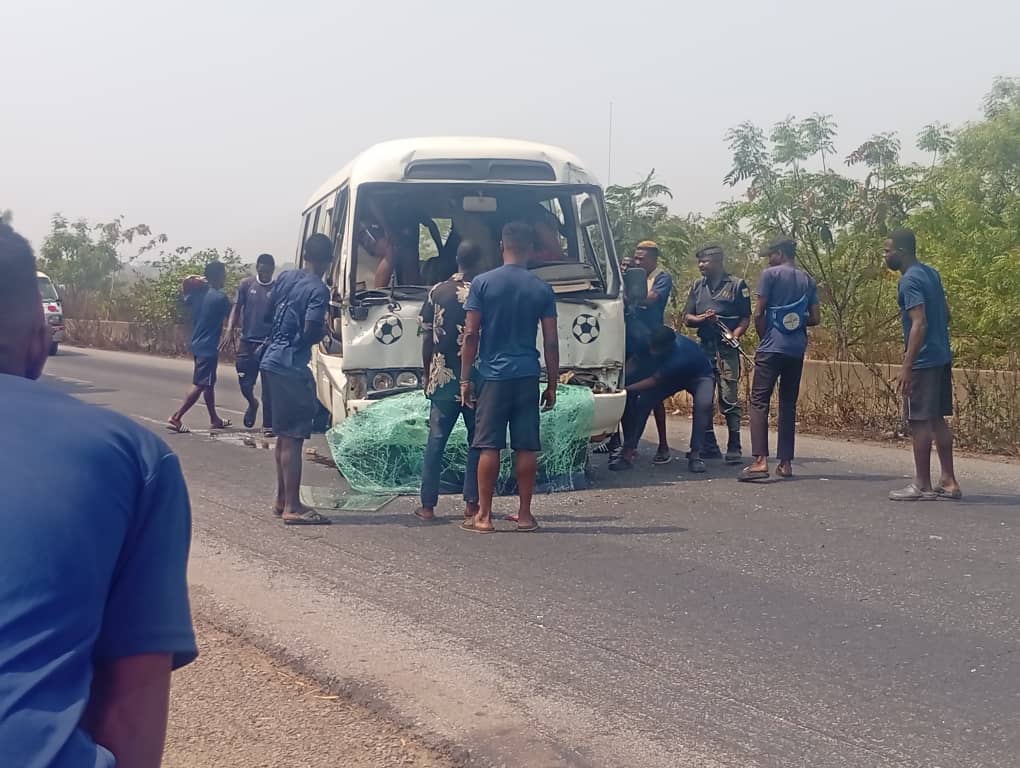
(235, 706)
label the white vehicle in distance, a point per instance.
(53, 311)
(428, 195)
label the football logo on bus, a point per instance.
(388, 329)
(586, 328)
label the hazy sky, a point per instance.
(214, 121)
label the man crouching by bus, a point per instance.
(443, 319)
(679, 365)
(298, 306)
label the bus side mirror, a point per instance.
(635, 286)
(587, 214)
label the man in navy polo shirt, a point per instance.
(504, 310)
(93, 560)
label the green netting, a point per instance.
(380, 449)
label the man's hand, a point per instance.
(227, 341)
(905, 381)
(467, 394)
(549, 397)
(708, 316)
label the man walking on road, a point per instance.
(443, 319)
(926, 378)
(787, 304)
(298, 306)
(718, 297)
(504, 309)
(679, 365)
(93, 561)
(249, 314)
(209, 307)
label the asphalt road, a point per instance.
(658, 620)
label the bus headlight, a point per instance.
(382, 381)
(407, 379)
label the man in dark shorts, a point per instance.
(926, 378)
(250, 314)
(787, 304)
(93, 561)
(298, 306)
(209, 307)
(718, 297)
(679, 365)
(504, 309)
(443, 318)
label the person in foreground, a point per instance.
(92, 580)
(442, 322)
(787, 304)
(249, 314)
(298, 306)
(679, 365)
(209, 307)
(926, 378)
(504, 309)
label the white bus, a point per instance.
(52, 309)
(427, 195)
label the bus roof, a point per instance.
(390, 160)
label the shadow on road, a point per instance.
(72, 387)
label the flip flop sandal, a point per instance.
(222, 425)
(179, 427)
(417, 513)
(747, 475)
(526, 529)
(620, 464)
(470, 527)
(310, 517)
(662, 458)
(945, 495)
(784, 473)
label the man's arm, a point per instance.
(645, 384)
(128, 707)
(745, 311)
(387, 262)
(469, 353)
(315, 317)
(146, 628)
(814, 314)
(427, 320)
(551, 352)
(661, 287)
(915, 340)
(760, 310)
(691, 318)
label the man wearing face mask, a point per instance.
(720, 298)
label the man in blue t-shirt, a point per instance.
(504, 310)
(680, 365)
(93, 560)
(249, 314)
(209, 307)
(926, 377)
(787, 304)
(298, 306)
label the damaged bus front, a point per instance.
(396, 215)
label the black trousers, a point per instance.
(249, 356)
(770, 368)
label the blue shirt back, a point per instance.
(653, 314)
(93, 559)
(780, 286)
(512, 303)
(209, 309)
(685, 364)
(298, 297)
(922, 284)
(252, 302)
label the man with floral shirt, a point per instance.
(442, 323)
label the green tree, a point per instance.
(85, 257)
(636, 210)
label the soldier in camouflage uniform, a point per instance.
(717, 296)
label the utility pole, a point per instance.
(609, 170)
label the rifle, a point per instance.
(731, 341)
